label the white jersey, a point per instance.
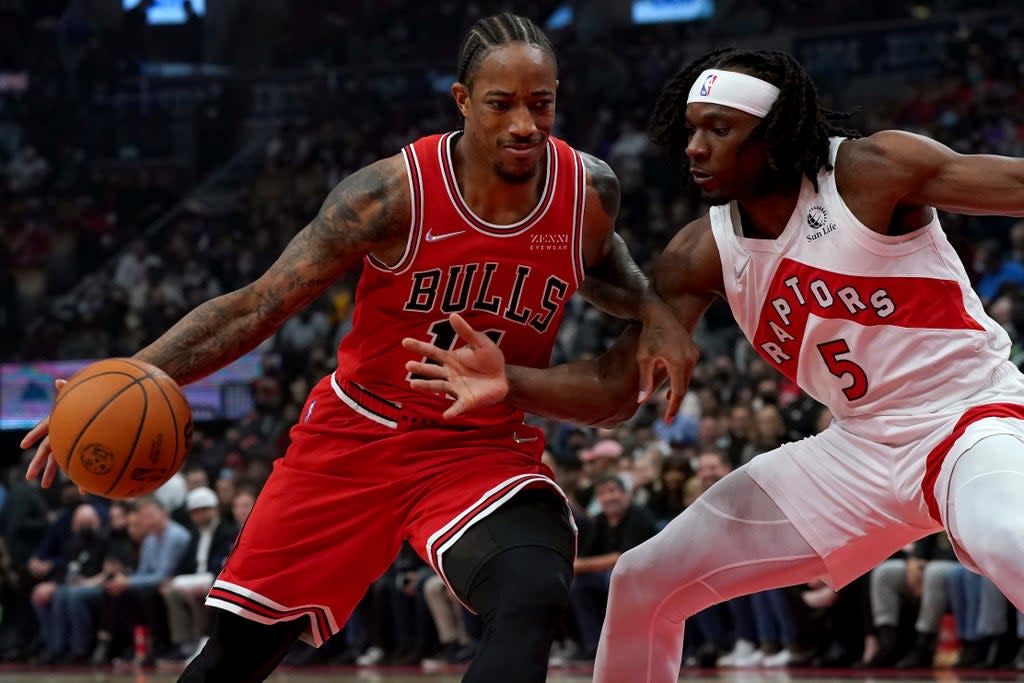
(873, 326)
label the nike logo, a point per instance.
(523, 439)
(431, 237)
(742, 268)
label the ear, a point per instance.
(460, 93)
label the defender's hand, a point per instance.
(474, 374)
(665, 343)
(43, 460)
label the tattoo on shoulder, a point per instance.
(604, 182)
(365, 206)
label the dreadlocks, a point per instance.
(795, 131)
(496, 31)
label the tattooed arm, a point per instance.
(368, 212)
(362, 214)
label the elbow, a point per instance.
(615, 413)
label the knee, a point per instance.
(996, 546)
(629, 578)
(889, 573)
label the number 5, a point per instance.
(840, 367)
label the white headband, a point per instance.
(735, 90)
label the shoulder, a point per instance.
(376, 197)
(691, 261)
(602, 184)
(885, 154)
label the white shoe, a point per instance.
(743, 648)
(755, 658)
(780, 658)
(373, 655)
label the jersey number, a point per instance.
(444, 336)
(840, 367)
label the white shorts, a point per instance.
(860, 491)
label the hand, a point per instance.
(43, 461)
(665, 343)
(116, 585)
(474, 374)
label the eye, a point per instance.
(543, 105)
(498, 105)
(721, 132)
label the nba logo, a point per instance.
(709, 82)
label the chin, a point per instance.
(715, 198)
(517, 176)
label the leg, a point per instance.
(177, 614)
(984, 512)
(588, 597)
(887, 583)
(513, 568)
(661, 583)
(229, 654)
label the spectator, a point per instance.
(619, 527)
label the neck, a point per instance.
(766, 217)
(491, 198)
(616, 519)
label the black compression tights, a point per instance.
(241, 650)
(522, 596)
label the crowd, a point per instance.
(86, 580)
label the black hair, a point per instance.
(496, 31)
(609, 479)
(796, 131)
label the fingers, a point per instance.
(41, 459)
(430, 386)
(647, 366)
(455, 409)
(38, 432)
(679, 380)
(466, 332)
(675, 400)
(59, 384)
(50, 473)
(428, 370)
(423, 348)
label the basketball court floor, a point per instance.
(14, 675)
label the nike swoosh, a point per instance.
(431, 237)
(523, 439)
(740, 269)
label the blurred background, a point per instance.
(155, 154)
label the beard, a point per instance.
(516, 178)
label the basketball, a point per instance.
(120, 428)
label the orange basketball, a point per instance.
(120, 428)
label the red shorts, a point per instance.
(353, 486)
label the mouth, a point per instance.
(702, 178)
(522, 150)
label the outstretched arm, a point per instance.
(918, 171)
(599, 391)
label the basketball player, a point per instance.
(836, 268)
(500, 221)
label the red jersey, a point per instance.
(509, 281)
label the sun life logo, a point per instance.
(816, 217)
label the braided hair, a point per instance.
(796, 131)
(497, 31)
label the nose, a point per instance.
(522, 124)
(697, 146)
